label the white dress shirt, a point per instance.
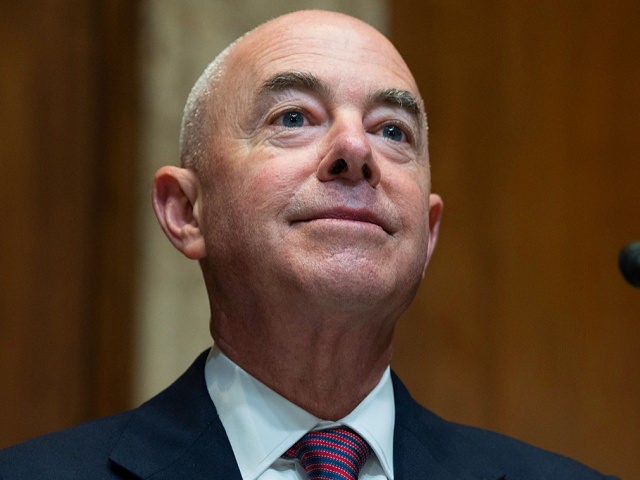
(262, 425)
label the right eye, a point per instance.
(292, 119)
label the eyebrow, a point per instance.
(394, 97)
(294, 80)
(398, 98)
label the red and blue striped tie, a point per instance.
(334, 454)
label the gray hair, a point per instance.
(198, 114)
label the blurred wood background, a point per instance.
(523, 325)
(67, 250)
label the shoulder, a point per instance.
(145, 438)
(475, 449)
(518, 459)
(78, 452)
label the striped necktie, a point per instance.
(334, 454)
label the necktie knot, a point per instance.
(333, 454)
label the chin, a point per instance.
(359, 283)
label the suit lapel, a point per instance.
(427, 447)
(412, 461)
(178, 434)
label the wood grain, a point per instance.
(524, 325)
(67, 244)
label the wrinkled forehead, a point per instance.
(330, 45)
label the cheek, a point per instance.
(410, 195)
(246, 208)
(272, 180)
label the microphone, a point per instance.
(629, 263)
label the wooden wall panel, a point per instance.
(67, 68)
(524, 325)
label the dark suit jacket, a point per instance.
(178, 435)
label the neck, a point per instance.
(326, 364)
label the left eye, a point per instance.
(393, 132)
(292, 119)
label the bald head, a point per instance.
(310, 205)
(215, 93)
(307, 201)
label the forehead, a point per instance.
(345, 53)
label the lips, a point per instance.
(347, 214)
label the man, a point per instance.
(304, 193)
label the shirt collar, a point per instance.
(262, 425)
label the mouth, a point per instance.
(346, 214)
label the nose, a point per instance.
(349, 158)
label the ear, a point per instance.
(176, 202)
(435, 214)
